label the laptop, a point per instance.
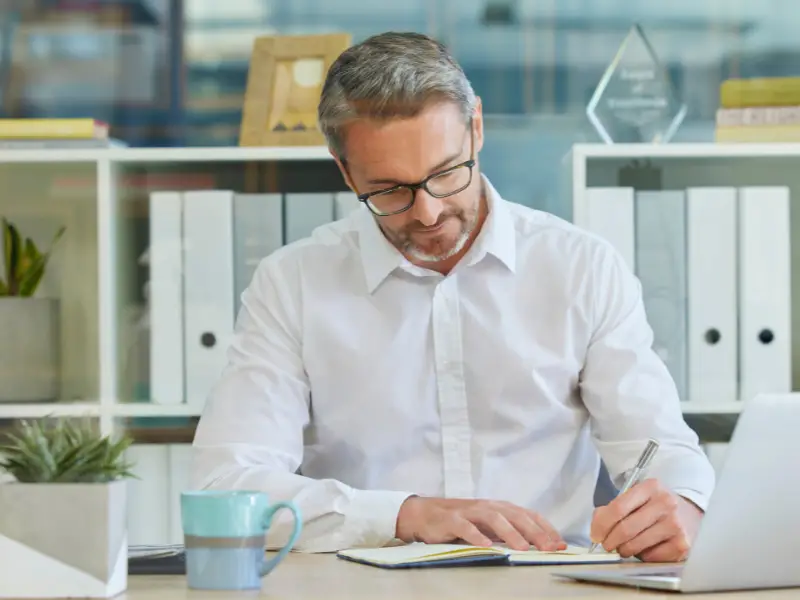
(750, 535)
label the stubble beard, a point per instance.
(413, 250)
(468, 220)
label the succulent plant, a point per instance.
(63, 451)
(24, 263)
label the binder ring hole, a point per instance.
(765, 336)
(208, 339)
(713, 336)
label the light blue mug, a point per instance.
(225, 538)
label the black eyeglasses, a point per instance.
(400, 198)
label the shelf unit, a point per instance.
(112, 197)
(113, 184)
(680, 166)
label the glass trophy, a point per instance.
(635, 100)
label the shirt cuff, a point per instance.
(693, 496)
(373, 515)
(367, 520)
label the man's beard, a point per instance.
(403, 240)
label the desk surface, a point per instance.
(324, 577)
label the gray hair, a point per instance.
(387, 76)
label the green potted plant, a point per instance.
(29, 368)
(63, 514)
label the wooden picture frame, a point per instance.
(284, 82)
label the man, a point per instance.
(443, 364)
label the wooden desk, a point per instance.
(324, 577)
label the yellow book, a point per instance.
(23, 129)
(435, 555)
(760, 91)
(758, 133)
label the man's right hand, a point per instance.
(475, 522)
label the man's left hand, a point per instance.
(649, 522)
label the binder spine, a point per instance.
(765, 290)
(712, 295)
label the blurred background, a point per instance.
(173, 72)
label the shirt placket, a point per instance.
(448, 351)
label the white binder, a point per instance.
(257, 233)
(208, 288)
(609, 214)
(165, 257)
(765, 291)
(712, 294)
(661, 268)
(306, 212)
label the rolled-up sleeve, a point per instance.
(250, 435)
(629, 392)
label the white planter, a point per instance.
(29, 350)
(63, 540)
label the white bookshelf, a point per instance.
(89, 263)
(683, 165)
(587, 165)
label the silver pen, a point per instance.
(636, 474)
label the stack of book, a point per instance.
(765, 109)
(55, 133)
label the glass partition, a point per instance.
(172, 73)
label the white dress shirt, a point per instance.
(356, 379)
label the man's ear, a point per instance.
(477, 120)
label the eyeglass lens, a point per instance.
(445, 184)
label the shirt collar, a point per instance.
(497, 237)
(378, 257)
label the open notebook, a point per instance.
(435, 555)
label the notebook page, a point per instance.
(417, 552)
(567, 550)
(572, 554)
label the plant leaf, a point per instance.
(57, 236)
(116, 450)
(25, 450)
(31, 251)
(65, 451)
(71, 464)
(32, 276)
(11, 250)
(30, 255)
(3, 288)
(6, 247)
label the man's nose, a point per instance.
(426, 208)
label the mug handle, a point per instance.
(270, 564)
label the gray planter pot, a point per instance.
(29, 350)
(67, 540)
